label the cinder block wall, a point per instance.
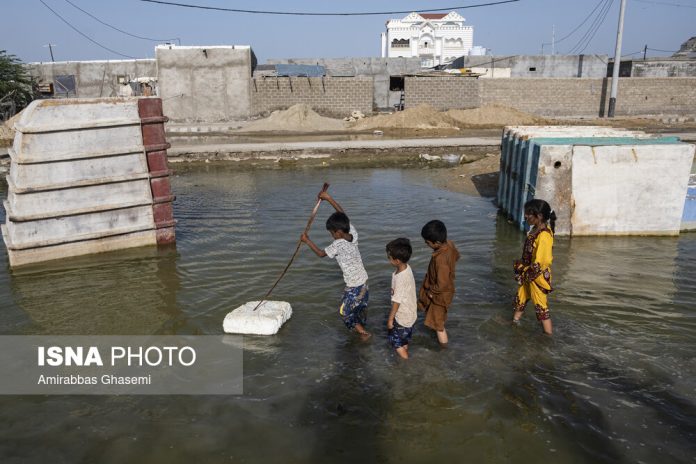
(654, 96)
(442, 92)
(590, 97)
(545, 97)
(329, 96)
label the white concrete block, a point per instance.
(44, 232)
(76, 144)
(67, 250)
(76, 172)
(77, 200)
(266, 320)
(554, 183)
(77, 113)
(630, 189)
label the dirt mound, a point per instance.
(6, 130)
(494, 115)
(420, 117)
(297, 118)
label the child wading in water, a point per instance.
(345, 249)
(437, 291)
(533, 271)
(403, 296)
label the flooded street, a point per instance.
(617, 383)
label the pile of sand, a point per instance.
(494, 115)
(297, 118)
(6, 130)
(427, 117)
(420, 117)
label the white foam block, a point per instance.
(266, 320)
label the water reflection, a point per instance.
(615, 384)
(125, 292)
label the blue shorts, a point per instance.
(399, 336)
(353, 308)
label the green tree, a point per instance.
(15, 83)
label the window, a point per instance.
(401, 43)
(532, 69)
(396, 83)
(64, 86)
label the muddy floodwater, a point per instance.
(616, 383)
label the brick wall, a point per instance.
(442, 92)
(329, 96)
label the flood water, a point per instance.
(616, 383)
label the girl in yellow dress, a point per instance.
(533, 271)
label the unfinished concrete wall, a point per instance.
(329, 96)
(552, 66)
(205, 84)
(381, 69)
(94, 79)
(663, 68)
(442, 92)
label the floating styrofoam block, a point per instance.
(266, 320)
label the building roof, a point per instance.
(433, 15)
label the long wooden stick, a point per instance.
(297, 249)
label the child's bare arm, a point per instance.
(318, 251)
(392, 314)
(325, 196)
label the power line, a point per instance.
(579, 25)
(121, 30)
(85, 35)
(592, 30)
(665, 51)
(293, 13)
(594, 27)
(679, 5)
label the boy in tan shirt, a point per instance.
(437, 291)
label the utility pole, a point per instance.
(50, 49)
(645, 52)
(617, 62)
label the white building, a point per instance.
(435, 38)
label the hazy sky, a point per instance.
(513, 28)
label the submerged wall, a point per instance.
(600, 181)
(87, 176)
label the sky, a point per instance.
(27, 26)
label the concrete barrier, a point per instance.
(87, 176)
(600, 181)
(689, 217)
